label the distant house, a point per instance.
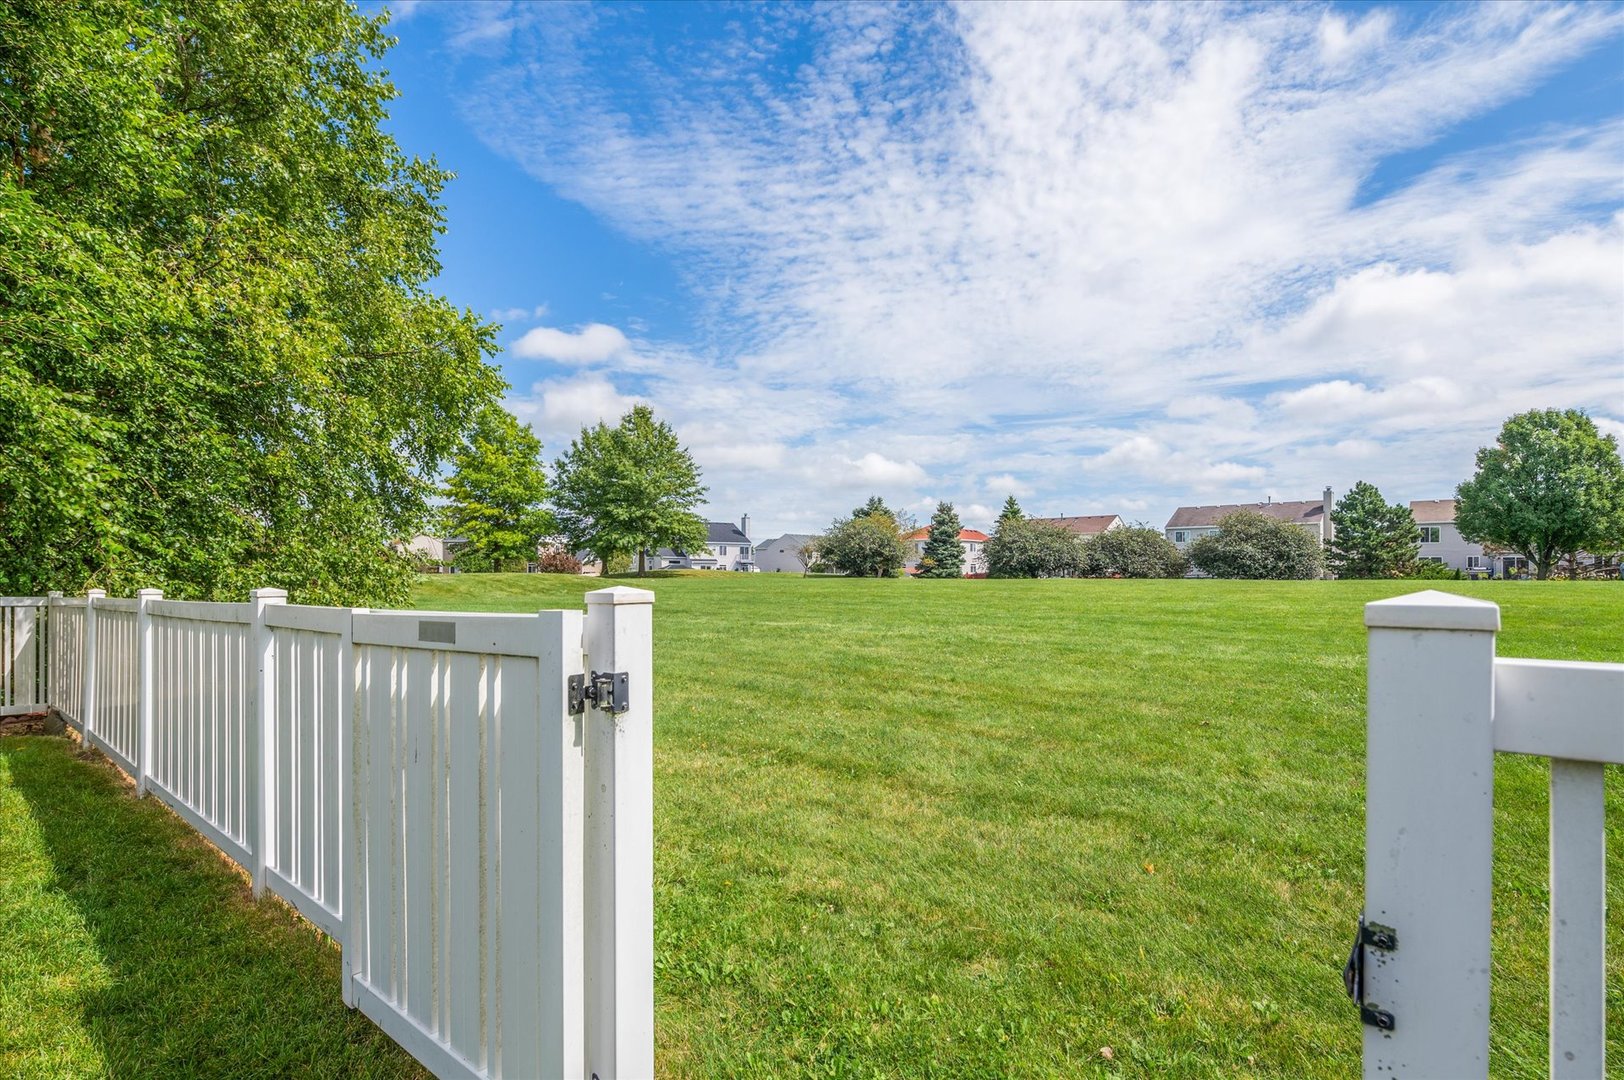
(1190, 523)
(727, 547)
(432, 554)
(975, 550)
(783, 555)
(1087, 525)
(1441, 542)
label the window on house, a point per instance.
(1429, 534)
(1474, 562)
(1430, 558)
(1181, 537)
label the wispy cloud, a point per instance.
(1095, 253)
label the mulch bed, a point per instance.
(34, 723)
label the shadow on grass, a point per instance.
(204, 981)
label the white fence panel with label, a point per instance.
(22, 654)
(1440, 706)
(466, 922)
(413, 784)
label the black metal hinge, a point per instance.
(1373, 936)
(607, 691)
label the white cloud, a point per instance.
(558, 409)
(1119, 254)
(593, 343)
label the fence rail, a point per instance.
(1440, 706)
(413, 783)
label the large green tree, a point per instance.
(869, 545)
(1371, 538)
(943, 556)
(1253, 545)
(220, 362)
(1551, 486)
(629, 490)
(496, 497)
(1026, 548)
(1010, 512)
(1135, 552)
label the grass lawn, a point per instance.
(129, 947)
(987, 828)
(902, 829)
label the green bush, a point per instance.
(1138, 552)
(1034, 549)
(1251, 545)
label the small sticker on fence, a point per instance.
(442, 632)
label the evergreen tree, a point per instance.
(1010, 512)
(1553, 485)
(943, 556)
(628, 490)
(1370, 537)
(875, 505)
(497, 494)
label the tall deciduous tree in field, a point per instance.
(866, 546)
(1023, 548)
(628, 490)
(1136, 552)
(1552, 485)
(497, 494)
(1253, 545)
(943, 556)
(220, 362)
(1371, 537)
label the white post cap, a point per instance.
(620, 594)
(1432, 610)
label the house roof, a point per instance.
(1086, 525)
(973, 535)
(1433, 511)
(788, 540)
(1304, 512)
(724, 532)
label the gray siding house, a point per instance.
(783, 555)
(1190, 523)
(1441, 542)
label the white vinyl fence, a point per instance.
(464, 801)
(1440, 706)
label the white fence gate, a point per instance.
(1440, 706)
(464, 801)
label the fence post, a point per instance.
(1429, 832)
(143, 686)
(87, 715)
(619, 910)
(261, 721)
(53, 635)
(349, 697)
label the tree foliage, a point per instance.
(1371, 538)
(628, 490)
(1010, 512)
(1552, 485)
(1034, 549)
(497, 494)
(943, 556)
(220, 364)
(1252, 545)
(869, 545)
(1136, 552)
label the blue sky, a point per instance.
(1107, 259)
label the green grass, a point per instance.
(907, 828)
(129, 947)
(902, 829)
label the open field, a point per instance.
(903, 829)
(986, 828)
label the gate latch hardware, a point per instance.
(608, 691)
(1374, 936)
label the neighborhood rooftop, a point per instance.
(1186, 517)
(1083, 525)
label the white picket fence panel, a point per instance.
(414, 783)
(1440, 706)
(23, 655)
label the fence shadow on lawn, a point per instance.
(203, 980)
